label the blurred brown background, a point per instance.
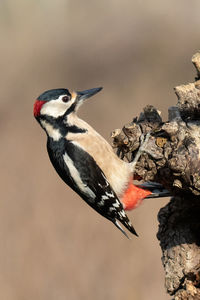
(53, 246)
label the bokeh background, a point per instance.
(52, 245)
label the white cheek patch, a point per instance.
(56, 108)
(76, 177)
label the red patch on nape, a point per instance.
(37, 107)
(133, 196)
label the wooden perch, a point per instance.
(172, 158)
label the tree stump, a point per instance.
(172, 158)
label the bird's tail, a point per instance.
(123, 218)
(128, 226)
(157, 190)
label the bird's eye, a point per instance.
(66, 98)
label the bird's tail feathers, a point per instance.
(157, 190)
(120, 228)
(127, 223)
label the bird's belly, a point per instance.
(117, 172)
(119, 178)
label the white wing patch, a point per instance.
(101, 203)
(104, 197)
(111, 209)
(77, 179)
(110, 195)
(122, 213)
(116, 204)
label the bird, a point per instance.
(84, 160)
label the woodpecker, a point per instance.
(84, 159)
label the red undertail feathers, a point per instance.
(133, 196)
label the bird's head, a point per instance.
(60, 102)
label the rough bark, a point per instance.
(172, 158)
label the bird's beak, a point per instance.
(87, 93)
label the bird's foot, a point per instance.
(144, 141)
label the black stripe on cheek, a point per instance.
(75, 129)
(70, 109)
(57, 123)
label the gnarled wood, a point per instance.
(172, 158)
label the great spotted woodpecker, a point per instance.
(84, 159)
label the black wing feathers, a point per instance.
(106, 202)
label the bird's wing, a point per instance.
(93, 186)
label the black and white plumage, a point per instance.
(80, 155)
